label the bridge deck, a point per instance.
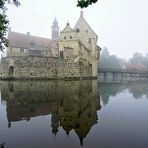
(123, 71)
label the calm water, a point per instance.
(73, 114)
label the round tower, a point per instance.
(55, 30)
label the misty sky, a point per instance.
(121, 25)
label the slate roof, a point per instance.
(27, 41)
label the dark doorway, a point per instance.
(11, 71)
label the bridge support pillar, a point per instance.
(105, 75)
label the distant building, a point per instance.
(133, 66)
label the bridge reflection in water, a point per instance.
(73, 105)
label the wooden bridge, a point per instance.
(141, 73)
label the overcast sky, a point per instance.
(121, 25)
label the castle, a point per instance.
(72, 53)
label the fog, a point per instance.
(121, 25)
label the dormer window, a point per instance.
(86, 31)
(32, 44)
(77, 30)
(64, 37)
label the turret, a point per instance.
(55, 37)
(55, 30)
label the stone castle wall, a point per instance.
(42, 68)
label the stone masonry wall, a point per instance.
(42, 68)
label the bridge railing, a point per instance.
(115, 70)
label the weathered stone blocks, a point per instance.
(42, 68)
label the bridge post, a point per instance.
(130, 76)
(121, 75)
(146, 75)
(113, 76)
(105, 75)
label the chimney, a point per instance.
(81, 13)
(28, 33)
(9, 29)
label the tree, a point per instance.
(85, 3)
(105, 53)
(4, 21)
(109, 61)
(137, 58)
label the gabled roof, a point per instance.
(26, 41)
(67, 28)
(80, 23)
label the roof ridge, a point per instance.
(27, 35)
(80, 18)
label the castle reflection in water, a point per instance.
(73, 105)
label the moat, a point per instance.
(73, 114)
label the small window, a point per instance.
(89, 40)
(32, 44)
(77, 30)
(61, 54)
(21, 50)
(64, 37)
(25, 50)
(70, 37)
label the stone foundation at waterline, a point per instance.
(43, 68)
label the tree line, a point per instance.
(138, 61)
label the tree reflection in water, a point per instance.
(112, 89)
(2, 145)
